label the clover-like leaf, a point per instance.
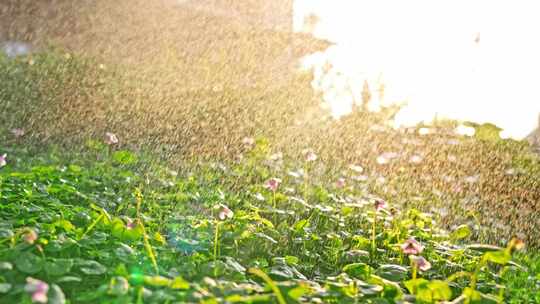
(92, 268)
(29, 263)
(58, 267)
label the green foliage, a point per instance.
(108, 230)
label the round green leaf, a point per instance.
(5, 287)
(29, 263)
(394, 273)
(92, 268)
(58, 267)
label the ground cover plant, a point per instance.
(99, 227)
(228, 195)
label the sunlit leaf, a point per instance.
(124, 157)
(158, 281)
(440, 290)
(179, 283)
(461, 232)
(500, 257)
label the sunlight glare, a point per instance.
(471, 61)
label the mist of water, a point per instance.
(460, 60)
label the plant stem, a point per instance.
(274, 204)
(216, 248)
(373, 234)
(414, 274)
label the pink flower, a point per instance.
(420, 262)
(37, 289)
(3, 160)
(340, 183)
(111, 139)
(380, 205)
(130, 224)
(17, 132)
(310, 155)
(412, 246)
(30, 236)
(273, 184)
(224, 212)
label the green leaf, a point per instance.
(292, 260)
(5, 287)
(357, 270)
(484, 248)
(5, 266)
(29, 263)
(179, 283)
(65, 224)
(300, 225)
(58, 267)
(461, 232)
(124, 157)
(440, 290)
(124, 252)
(69, 279)
(6, 233)
(75, 168)
(416, 284)
(394, 273)
(56, 295)
(392, 290)
(499, 257)
(234, 265)
(133, 234)
(92, 268)
(117, 228)
(158, 281)
(118, 286)
(472, 296)
(299, 291)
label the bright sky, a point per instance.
(425, 52)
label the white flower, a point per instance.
(17, 132)
(111, 139)
(3, 160)
(224, 212)
(356, 168)
(310, 155)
